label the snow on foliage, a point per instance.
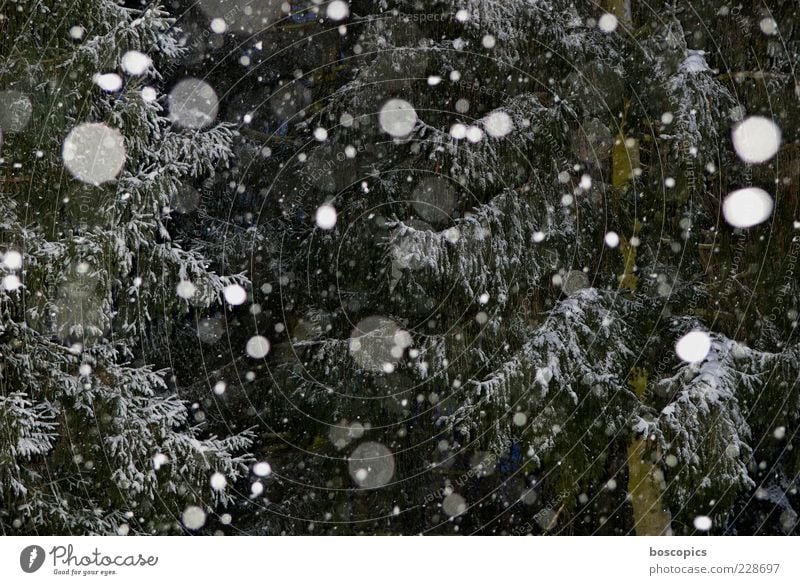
(705, 424)
(71, 396)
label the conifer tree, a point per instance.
(509, 300)
(489, 266)
(95, 161)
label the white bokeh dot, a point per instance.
(218, 25)
(693, 347)
(94, 153)
(337, 10)
(193, 104)
(398, 118)
(108, 81)
(607, 23)
(235, 294)
(257, 347)
(194, 517)
(11, 282)
(756, 139)
(185, 289)
(262, 469)
(135, 63)
(747, 207)
(612, 239)
(149, 93)
(371, 465)
(702, 523)
(218, 481)
(325, 217)
(12, 260)
(498, 124)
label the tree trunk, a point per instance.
(645, 481)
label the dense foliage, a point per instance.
(497, 278)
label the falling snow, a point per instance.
(94, 153)
(747, 207)
(398, 118)
(756, 139)
(257, 347)
(693, 347)
(193, 104)
(193, 517)
(489, 267)
(326, 217)
(135, 63)
(235, 294)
